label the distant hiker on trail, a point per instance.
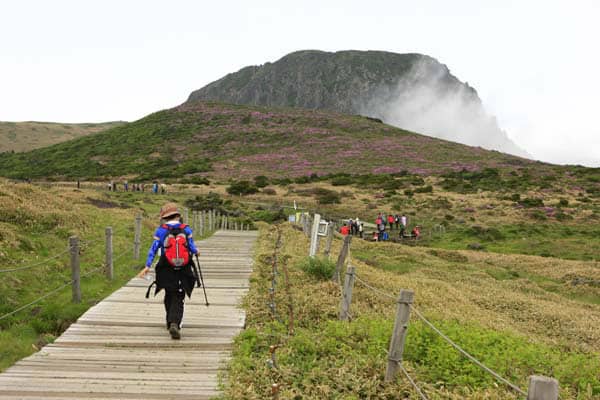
(345, 230)
(416, 232)
(155, 187)
(351, 224)
(403, 220)
(175, 270)
(391, 220)
(163, 188)
(380, 230)
(378, 220)
(397, 221)
(361, 230)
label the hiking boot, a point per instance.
(174, 331)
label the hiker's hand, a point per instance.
(143, 272)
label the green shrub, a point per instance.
(563, 203)
(242, 188)
(269, 216)
(210, 201)
(530, 202)
(261, 181)
(342, 180)
(319, 267)
(269, 191)
(424, 189)
(326, 196)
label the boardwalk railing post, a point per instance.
(347, 294)
(137, 237)
(341, 258)
(306, 224)
(542, 388)
(109, 253)
(186, 214)
(329, 239)
(399, 334)
(75, 269)
(210, 221)
(201, 227)
(314, 236)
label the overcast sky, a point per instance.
(535, 64)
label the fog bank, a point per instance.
(429, 100)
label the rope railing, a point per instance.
(469, 356)
(75, 249)
(37, 264)
(443, 336)
(50, 293)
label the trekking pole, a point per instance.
(202, 279)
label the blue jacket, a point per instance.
(159, 237)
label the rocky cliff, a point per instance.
(411, 91)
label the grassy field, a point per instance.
(497, 306)
(25, 136)
(35, 224)
(527, 302)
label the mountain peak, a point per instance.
(411, 91)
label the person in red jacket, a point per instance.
(416, 232)
(391, 220)
(345, 230)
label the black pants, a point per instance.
(174, 306)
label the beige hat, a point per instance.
(169, 210)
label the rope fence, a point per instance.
(540, 387)
(76, 248)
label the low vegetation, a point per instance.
(520, 315)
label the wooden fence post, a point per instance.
(201, 227)
(342, 258)
(137, 237)
(210, 220)
(314, 236)
(399, 334)
(329, 241)
(347, 294)
(542, 388)
(75, 269)
(109, 253)
(306, 224)
(186, 215)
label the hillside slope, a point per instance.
(24, 136)
(410, 91)
(225, 141)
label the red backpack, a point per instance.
(175, 246)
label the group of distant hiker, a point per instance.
(384, 224)
(353, 227)
(400, 221)
(137, 187)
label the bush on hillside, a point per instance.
(242, 188)
(320, 268)
(210, 201)
(261, 181)
(269, 191)
(326, 196)
(530, 202)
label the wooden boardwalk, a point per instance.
(120, 348)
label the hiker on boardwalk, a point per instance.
(403, 221)
(361, 229)
(175, 268)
